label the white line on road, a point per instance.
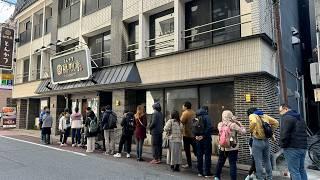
(41, 145)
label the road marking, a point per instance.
(41, 145)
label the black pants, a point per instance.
(127, 141)
(157, 146)
(66, 135)
(187, 142)
(233, 157)
(204, 149)
(46, 131)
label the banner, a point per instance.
(6, 48)
(9, 117)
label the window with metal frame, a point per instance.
(132, 48)
(100, 49)
(91, 6)
(25, 74)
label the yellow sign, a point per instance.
(6, 76)
(248, 97)
(317, 95)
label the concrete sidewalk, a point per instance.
(147, 154)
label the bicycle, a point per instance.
(314, 149)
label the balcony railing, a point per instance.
(161, 44)
(132, 51)
(22, 78)
(100, 59)
(221, 27)
(25, 37)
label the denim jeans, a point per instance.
(295, 160)
(261, 155)
(76, 135)
(204, 148)
(139, 148)
(233, 157)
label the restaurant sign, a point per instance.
(6, 48)
(70, 67)
(9, 117)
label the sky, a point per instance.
(5, 11)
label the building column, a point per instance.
(179, 25)
(262, 89)
(118, 106)
(144, 33)
(21, 113)
(118, 48)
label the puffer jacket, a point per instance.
(76, 120)
(208, 129)
(156, 124)
(293, 131)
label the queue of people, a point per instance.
(191, 129)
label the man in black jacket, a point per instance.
(293, 140)
(108, 129)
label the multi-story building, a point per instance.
(215, 53)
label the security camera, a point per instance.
(294, 31)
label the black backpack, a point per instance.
(198, 126)
(266, 128)
(112, 121)
(130, 124)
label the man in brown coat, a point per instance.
(188, 139)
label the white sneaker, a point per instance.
(253, 177)
(79, 145)
(63, 145)
(73, 145)
(118, 155)
(128, 155)
(215, 178)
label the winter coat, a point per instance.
(156, 124)
(186, 119)
(76, 120)
(256, 128)
(236, 127)
(90, 117)
(174, 130)
(293, 131)
(47, 121)
(208, 129)
(125, 124)
(105, 119)
(141, 129)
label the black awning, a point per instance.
(126, 73)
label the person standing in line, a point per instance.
(60, 128)
(91, 125)
(252, 170)
(76, 123)
(229, 128)
(128, 124)
(42, 113)
(66, 126)
(156, 130)
(203, 141)
(173, 128)
(188, 138)
(260, 143)
(46, 126)
(294, 141)
(140, 130)
(109, 123)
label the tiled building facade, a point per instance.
(209, 52)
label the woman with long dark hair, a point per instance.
(173, 128)
(140, 130)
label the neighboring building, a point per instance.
(218, 53)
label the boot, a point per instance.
(172, 167)
(177, 168)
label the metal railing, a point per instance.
(161, 43)
(24, 37)
(22, 78)
(104, 57)
(212, 29)
(37, 31)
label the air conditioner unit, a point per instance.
(314, 73)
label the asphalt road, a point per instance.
(24, 161)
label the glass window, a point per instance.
(152, 97)
(69, 11)
(161, 33)
(25, 70)
(100, 49)
(175, 98)
(38, 66)
(133, 29)
(91, 6)
(104, 3)
(217, 97)
(202, 12)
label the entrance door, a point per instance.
(84, 105)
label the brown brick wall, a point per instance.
(21, 113)
(264, 96)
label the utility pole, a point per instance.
(279, 59)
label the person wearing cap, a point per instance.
(156, 130)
